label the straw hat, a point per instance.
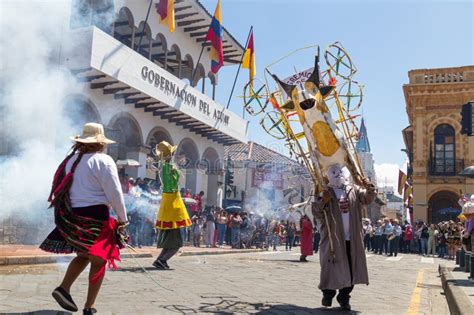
(92, 133)
(164, 149)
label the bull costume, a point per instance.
(172, 215)
(342, 255)
(84, 186)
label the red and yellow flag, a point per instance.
(165, 10)
(248, 61)
(407, 192)
(214, 35)
(402, 178)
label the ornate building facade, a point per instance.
(436, 149)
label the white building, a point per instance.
(144, 84)
(264, 179)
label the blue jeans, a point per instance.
(442, 251)
(221, 229)
(424, 246)
(235, 236)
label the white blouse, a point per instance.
(96, 182)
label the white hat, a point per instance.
(92, 133)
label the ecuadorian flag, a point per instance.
(214, 35)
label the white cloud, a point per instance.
(387, 174)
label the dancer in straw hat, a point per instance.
(84, 186)
(172, 214)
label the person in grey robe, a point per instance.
(338, 211)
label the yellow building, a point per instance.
(436, 149)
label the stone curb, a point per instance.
(457, 300)
(49, 259)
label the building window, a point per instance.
(444, 149)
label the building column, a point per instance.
(149, 49)
(179, 68)
(132, 39)
(165, 64)
(140, 154)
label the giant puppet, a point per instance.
(172, 215)
(301, 114)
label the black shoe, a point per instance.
(166, 264)
(159, 264)
(390, 255)
(64, 299)
(327, 301)
(89, 311)
(345, 306)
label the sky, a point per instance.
(385, 40)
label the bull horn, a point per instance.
(288, 88)
(314, 77)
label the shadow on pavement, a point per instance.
(139, 269)
(41, 312)
(232, 306)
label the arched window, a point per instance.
(444, 149)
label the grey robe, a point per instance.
(335, 273)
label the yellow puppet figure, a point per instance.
(172, 215)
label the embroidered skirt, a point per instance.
(88, 230)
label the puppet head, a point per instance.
(164, 150)
(336, 176)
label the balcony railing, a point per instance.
(445, 167)
(443, 75)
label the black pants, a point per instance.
(344, 293)
(167, 253)
(367, 243)
(317, 238)
(394, 244)
(376, 243)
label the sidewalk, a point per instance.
(458, 289)
(31, 254)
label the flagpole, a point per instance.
(144, 24)
(197, 63)
(238, 69)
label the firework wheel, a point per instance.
(255, 97)
(272, 123)
(350, 94)
(339, 61)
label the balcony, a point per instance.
(445, 167)
(442, 75)
(106, 64)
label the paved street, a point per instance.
(265, 282)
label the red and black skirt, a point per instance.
(87, 230)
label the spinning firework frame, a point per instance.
(314, 138)
(300, 114)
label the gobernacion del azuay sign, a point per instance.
(173, 90)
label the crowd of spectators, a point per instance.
(213, 226)
(388, 237)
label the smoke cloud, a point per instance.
(35, 130)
